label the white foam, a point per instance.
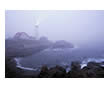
(20, 66)
(26, 68)
(68, 69)
(96, 60)
(83, 65)
(84, 62)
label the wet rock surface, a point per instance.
(55, 72)
(12, 71)
(92, 70)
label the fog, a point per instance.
(74, 48)
(77, 27)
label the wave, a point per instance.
(64, 64)
(97, 60)
(18, 65)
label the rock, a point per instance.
(11, 71)
(93, 65)
(75, 71)
(75, 65)
(43, 72)
(10, 68)
(55, 72)
(93, 70)
(87, 73)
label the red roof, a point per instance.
(19, 34)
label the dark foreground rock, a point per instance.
(92, 70)
(55, 72)
(11, 71)
(75, 71)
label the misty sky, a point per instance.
(78, 27)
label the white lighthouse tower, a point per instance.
(36, 31)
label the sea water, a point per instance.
(53, 57)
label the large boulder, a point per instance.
(12, 71)
(54, 72)
(57, 72)
(43, 72)
(93, 70)
(75, 65)
(10, 68)
(88, 73)
(75, 71)
(93, 65)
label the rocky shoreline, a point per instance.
(91, 70)
(22, 48)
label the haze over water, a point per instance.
(84, 29)
(78, 27)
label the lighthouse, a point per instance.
(36, 31)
